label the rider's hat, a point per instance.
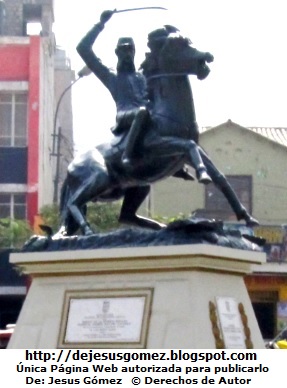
(126, 41)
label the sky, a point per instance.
(248, 39)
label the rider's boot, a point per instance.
(128, 157)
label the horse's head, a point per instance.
(171, 53)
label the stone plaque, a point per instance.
(230, 323)
(106, 318)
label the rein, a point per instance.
(166, 75)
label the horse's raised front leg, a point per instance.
(133, 199)
(224, 186)
(189, 149)
(196, 159)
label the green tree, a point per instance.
(104, 216)
(101, 216)
(14, 233)
(50, 216)
(168, 220)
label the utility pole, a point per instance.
(57, 133)
(57, 173)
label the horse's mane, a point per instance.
(150, 64)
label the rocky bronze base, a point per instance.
(188, 231)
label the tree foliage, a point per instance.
(104, 216)
(168, 220)
(50, 216)
(101, 216)
(14, 233)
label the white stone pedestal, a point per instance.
(186, 289)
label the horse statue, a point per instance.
(166, 147)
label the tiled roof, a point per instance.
(276, 134)
(279, 135)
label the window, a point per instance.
(32, 17)
(13, 119)
(216, 202)
(13, 206)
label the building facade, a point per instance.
(26, 109)
(33, 74)
(254, 161)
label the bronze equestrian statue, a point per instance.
(129, 91)
(165, 144)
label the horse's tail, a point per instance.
(67, 219)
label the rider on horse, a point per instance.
(128, 89)
(168, 145)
